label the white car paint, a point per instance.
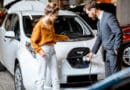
(13, 50)
(6, 2)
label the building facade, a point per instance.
(1, 3)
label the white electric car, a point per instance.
(18, 57)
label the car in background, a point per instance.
(125, 49)
(19, 58)
(117, 81)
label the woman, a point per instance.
(42, 40)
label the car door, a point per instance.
(10, 45)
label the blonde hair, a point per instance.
(51, 8)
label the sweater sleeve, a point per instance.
(35, 37)
(59, 37)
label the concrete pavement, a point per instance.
(6, 81)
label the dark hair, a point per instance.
(51, 8)
(91, 4)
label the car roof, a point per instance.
(33, 12)
(33, 8)
(27, 5)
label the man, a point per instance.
(109, 35)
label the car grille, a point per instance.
(80, 80)
(75, 57)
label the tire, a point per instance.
(125, 54)
(2, 68)
(18, 79)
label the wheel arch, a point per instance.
(16, 62)
(123, 47)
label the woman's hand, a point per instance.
(42, 53)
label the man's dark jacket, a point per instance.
(109, 33)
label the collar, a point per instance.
(100, 16)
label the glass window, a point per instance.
(16, 27)
(12, 24)
(8, 22)
(71, 26)
(29, 24)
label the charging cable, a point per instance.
(90, 63)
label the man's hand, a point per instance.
(89, 56)
(116, 52)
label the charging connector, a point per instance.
(85, 58)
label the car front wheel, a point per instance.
(18, 79)
(126, 54)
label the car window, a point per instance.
(68, 26)
(8, 22)
(29, 23)
(16, 27)
(12, 24)
(72, 26)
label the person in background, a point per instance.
(3, 13)
(109, 35)
(43, 39)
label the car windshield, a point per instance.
(72, 26)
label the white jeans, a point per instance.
(50, 61)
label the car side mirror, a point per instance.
(10, 34)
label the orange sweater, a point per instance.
(41, 35)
